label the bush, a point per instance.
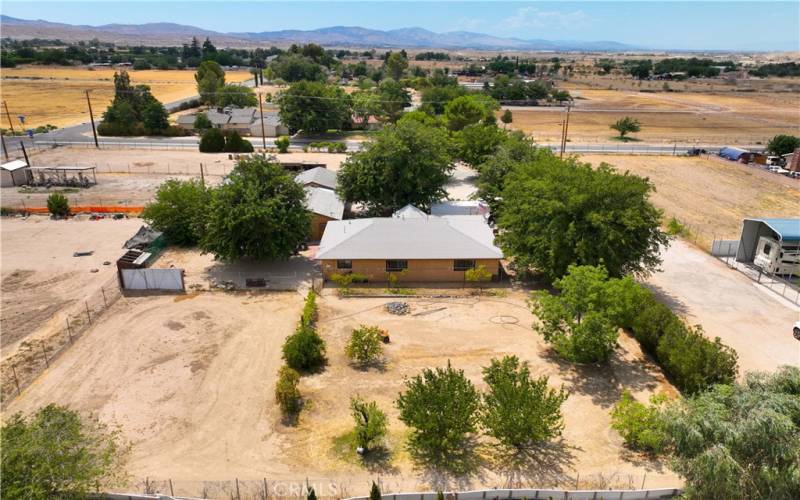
(675, 228)
(649, 325)
(286, 392)
(201, 122)
(370, 422)
(282, 143)
(179, 211)
(365, 345)
(235, 144)
(640, 426)
(212, 141)
(304, 350)
(309, 317)
(693, 362)
(58, 205)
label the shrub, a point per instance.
(375, 492)
(304, 350)
(675, 228)
(365, 345)
(201, 122)
(286, 392)
(693, 362)
(235, 144)
(309, 316)
(650, 323)
(370, 422)
(212, 141)
(640, 426)
(282, 143)
(58, 205)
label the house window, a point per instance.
(344, 264)
(394, 266)
(463, 264)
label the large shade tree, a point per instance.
(409, 162)
(314, 107)
(179, 210)
(210, 78)
(558, 212)
(258, 212)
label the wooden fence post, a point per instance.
(89, 316)
(69, 331)
(238, 496)
(46, 362)
(105, 302)
(171, 491)
(16, 380)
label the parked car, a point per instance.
(695, 152)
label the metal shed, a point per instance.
(14, 173)
(734, 154)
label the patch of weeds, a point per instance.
(401, 291)
(675, 228)
(495, 292)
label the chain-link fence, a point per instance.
(33, 356)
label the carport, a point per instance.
(782, 230)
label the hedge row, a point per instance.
(304, 350)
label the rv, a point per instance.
(776, 258)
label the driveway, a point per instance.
(753, 320)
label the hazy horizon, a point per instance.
(657, 25)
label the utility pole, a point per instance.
(565, 132)
(24, 153)
(261, 111)
(8, 115)
(5, 148)
(91, 117)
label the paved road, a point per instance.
(754, 321)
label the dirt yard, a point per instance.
(189, 379)
(130, 177)
(711, 195)
(56, 95)
(667, 117)
(41, 280)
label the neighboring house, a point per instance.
(218, 119)
(14, 173)
(325, 206)
(318, 177)
(273, 127)
(411, 245)
(240, 119)
(372, 123)
(186, 122)
(461, 207)
(246, 121)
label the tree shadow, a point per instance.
(596, 381)
(457, 472)
(647, 461)
(379, 460)
(379, 365)
(668, 299)
(543, 464)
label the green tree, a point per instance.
(54, 453)
(237, 95)
(434, 99)
(210, 78)
(365, 345)
(441, 408)
(375, 492)
(201, 122)
(282, 143)
(235, 144)
(259, 212)
(212, 141)
(783, 144)
(304, 350)
(516, 148)
(478, 142)
(295, 68)
(58, 205)
(396, 64)
(314, 107)
(694, 362)
(625, 126)
(286, 392)
(518, 410)
(507, 117)
(155, 118)
(370, 423)
(179, 211)
(404, 163)
(366, 103)
(575, 321)
(468, 110)
(394, 98)
(559, 212)
(641, 426)
(739, 440)
(640, 69)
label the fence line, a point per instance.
(36, 355)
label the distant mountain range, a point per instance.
(338, 36)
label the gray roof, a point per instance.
(186, 119)
(241, 115)
(409, 212)
(13, 165)
(460, 207)
(324, 202)
(317, 175)
(451, 237)
(217, 118)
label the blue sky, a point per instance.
(677, 24)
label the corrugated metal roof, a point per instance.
(318, 175)
(324, 201)
(456, 237)
(787, 229)
(13, 165)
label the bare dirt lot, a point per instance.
(56, 95)
(710, 195)
(189, 379)
(668, 117)
(41, 279)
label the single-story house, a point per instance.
(240, 119)
(412, 245)
(461, 207)
(273, 127)
(735, 154)
(317, 177)
(14, 173)
(372, 123)
(325, 206)
(186, 122)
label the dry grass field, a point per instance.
(189, 380)
(711, 195)
(55, 95)
(667, 117)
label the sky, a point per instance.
(684, 25)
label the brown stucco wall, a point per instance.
(318, 223)
(433, 270)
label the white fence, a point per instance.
(152, 279)
(510, 494)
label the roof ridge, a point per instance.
(449, 219)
